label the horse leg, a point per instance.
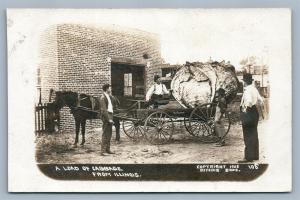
(83, 122)
(77, 124)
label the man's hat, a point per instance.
(156, 77)
(187, 63)
(247, 77)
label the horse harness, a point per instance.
(91, 98)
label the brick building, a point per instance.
(83, 58)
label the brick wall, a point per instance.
(78, 58)
(48, 63)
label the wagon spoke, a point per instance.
(202, 113)
(165, 134)
(152, 123)
(128, 125)
(140, 133)
(151, 130)
(164, 125)
(195, 127)
(132, 127)
(196, 124)
(200, 130)
(199, 116)
(139, 130)
(154, 136)
(205, 130)
(134, 132)
(163, 119)
(155, 120)
(157, 127)
(196, 131)
(128, 129)
(158, 135)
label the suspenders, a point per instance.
(155, 88)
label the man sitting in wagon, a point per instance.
(156, 92)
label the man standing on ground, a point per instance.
(116, 104)
(219, 115)
(249, 118)
(106, 110)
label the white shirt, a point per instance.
(250, 97)
(110, 106)
(158, 89)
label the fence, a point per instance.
(40, 118)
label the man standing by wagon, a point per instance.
(249, 117)
(106, 110)
(116, 103)
(219, 114)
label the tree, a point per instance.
(252, 64)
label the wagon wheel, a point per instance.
(133, 129)
(226, 121)
(159, 128)
(186, 123)
(202, 125)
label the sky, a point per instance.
(186, 35)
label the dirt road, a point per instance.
(184, 148)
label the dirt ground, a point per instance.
(184, 148)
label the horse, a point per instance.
(82, 107)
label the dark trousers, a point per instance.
(155, 99)
(250, 134)
(106, 134)
(117, 126)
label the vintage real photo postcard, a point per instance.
(149, 100)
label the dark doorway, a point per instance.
(128, 82)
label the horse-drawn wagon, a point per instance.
(194, 86)
(158, 125)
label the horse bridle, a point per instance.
(50, 97)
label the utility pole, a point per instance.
(262, 75)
